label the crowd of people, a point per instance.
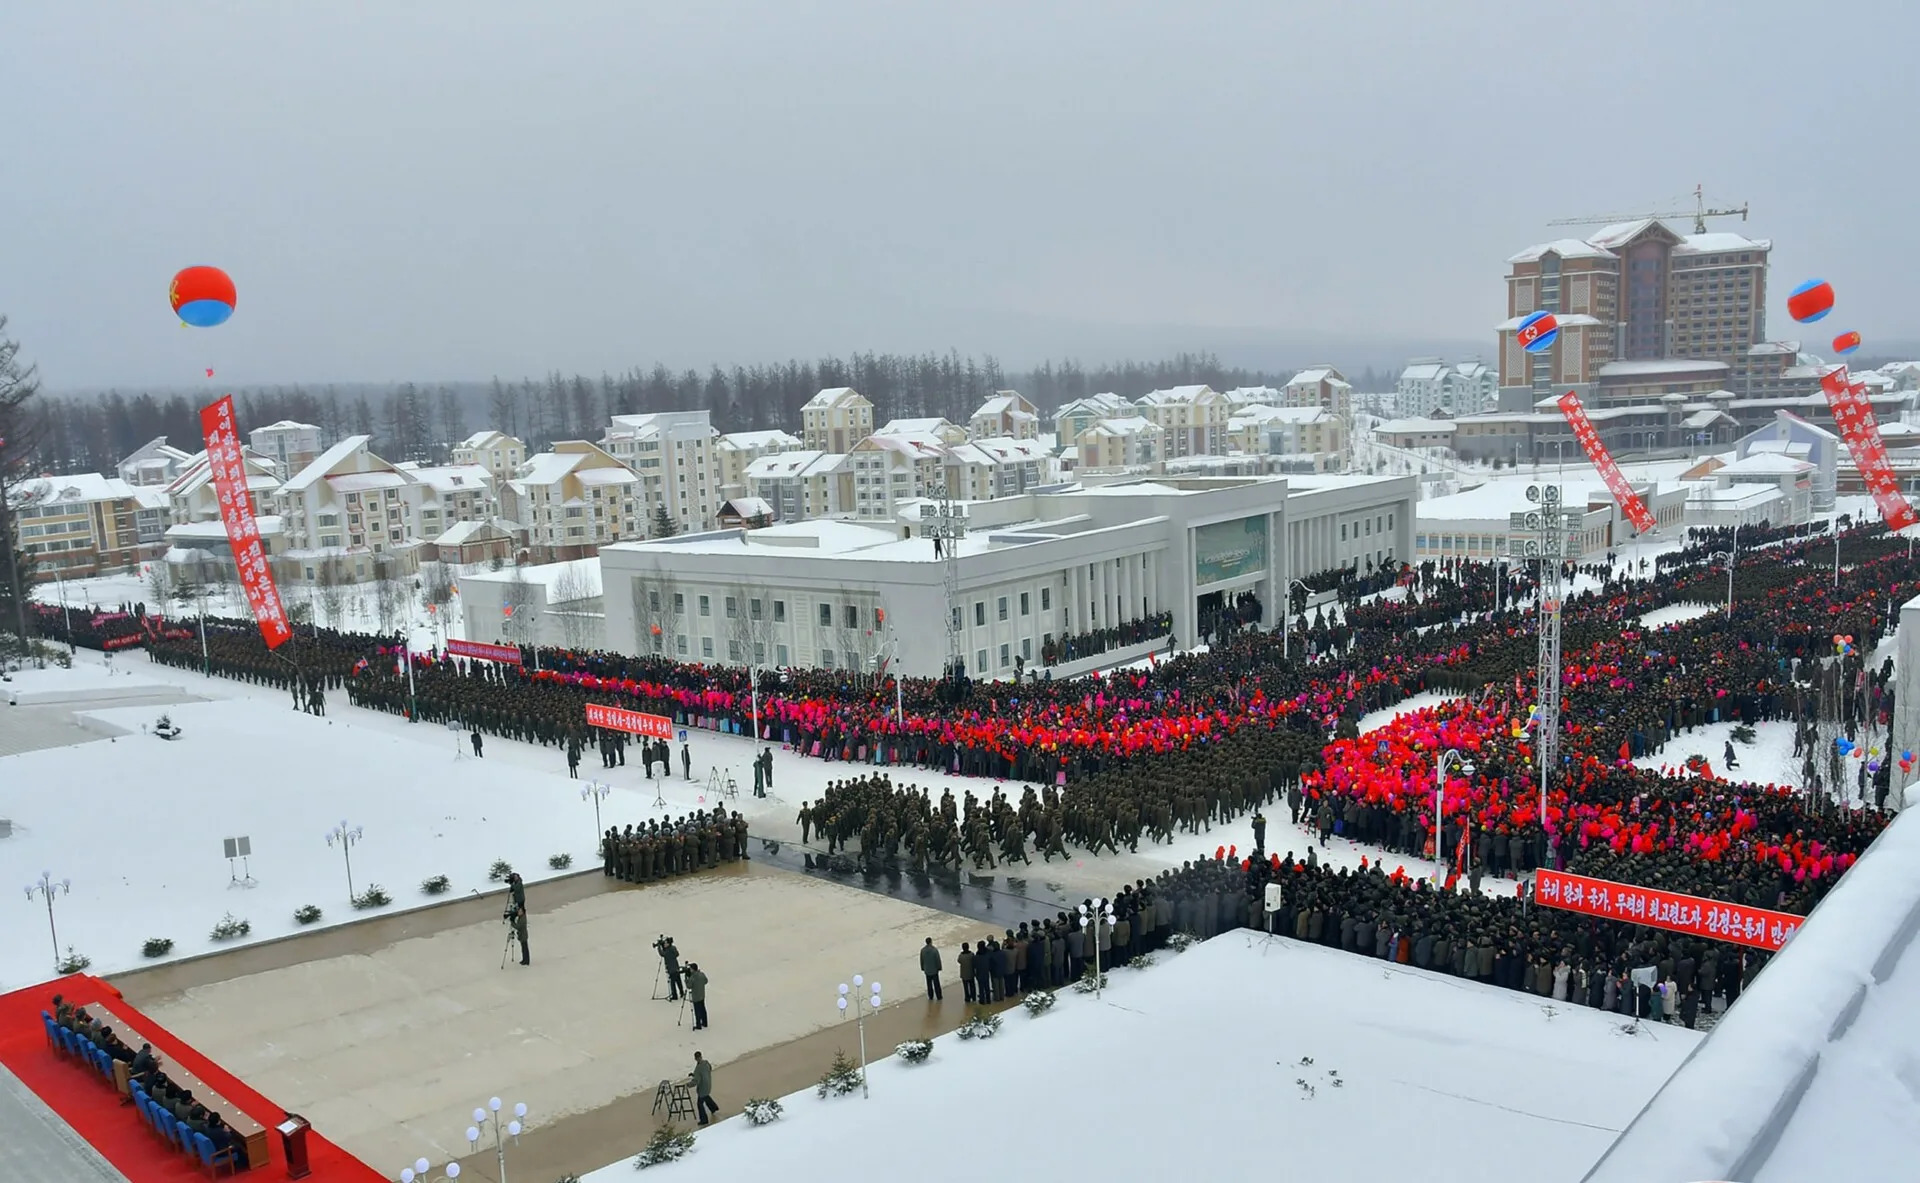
(1184, 743)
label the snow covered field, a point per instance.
(85, 682)
(1194, 1067)
(1768, 759)
(1677, 614)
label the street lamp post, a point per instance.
(345, 836)
(1286, 616)
(1450, 756)
(1100, 912)
(489, 1118)
(596, 792)
(422, 1172)
(66, 609)
(48, 889)
(862, 1005)
(1728, 556)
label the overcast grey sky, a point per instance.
(456, 188)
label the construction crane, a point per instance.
(1700, 213)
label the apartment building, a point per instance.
(496, 451)
(805, 484)
(1320, 386)
(1192, 419)
(983, 470)
(1636, 291)
(889, 469)
(1309, 432)
(445, 496)
(154, 463)
(672, 453)
(944, 434)
(577, 498)
(735, 450)
(834, 420)
(348, 510)
(80, 524)
(191, 496)
(1071, 420)
(290, 445)
(1241, 397)
(1006, 415)
(1132, 442)
(1430, 386)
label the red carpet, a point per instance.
(94, 1110)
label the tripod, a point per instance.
(513, 939)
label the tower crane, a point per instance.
(1700, 213)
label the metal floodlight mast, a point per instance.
(947, 527)
(1550, 535)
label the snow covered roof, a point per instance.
(455, 478)
(832, 397)
(1128, 425)
(286, 425)
(1720, 242)
(1766, 348)
(548, 468)
(1002, 450)
(757, 440)
(1255, 414)
(1621, 233)
(461, 533)
(1492, 501)
(1252, 394)
(546, 575)
(1403, 426)
(607, 476)
(1317, 375)
(1667, 365)
(1004, 404)
(783, 465)
(308, 476)
(76, 487)
(1758, 463)
(749, 507)
(360, 482)
(914, 445)
(1173, 395)
(1566, 248)
(912, 427)
(1431, 371)
(1571, 320)
(1105, 403)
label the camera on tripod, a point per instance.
(663, 945)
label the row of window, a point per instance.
(1371, 524)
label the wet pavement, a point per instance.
(996, 899)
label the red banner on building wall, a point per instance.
(632, 722)
(1758, 927)
(483, 651)
(1860, 428)
(1623, 494)
(236, 514)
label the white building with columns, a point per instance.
(1047, 564)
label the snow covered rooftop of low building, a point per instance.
(749, 507)
(1760, 463)
(75, 487)
(1424, 426)
(1665, 365)
(586, 571)
(1493, 501)
(463, 532)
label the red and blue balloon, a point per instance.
(1538, 331)
(202, 297)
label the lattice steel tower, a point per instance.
(947, 526)
(1552, 536)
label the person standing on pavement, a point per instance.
(686, 760)
(696, 986)
(930, 966)
(703, 1088)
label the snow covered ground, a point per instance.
(1374, 720)
(1769, 759)
(1236, 1056)
(85, 682)
(1677, 614)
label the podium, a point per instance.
(293, 1144)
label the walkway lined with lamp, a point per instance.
(98, 1115)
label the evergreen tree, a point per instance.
(663, 526)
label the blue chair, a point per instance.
(182, 1134)
(213, 1159)
(65, 1038)
(46, 1021)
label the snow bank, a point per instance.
(1813, 1074)
(1198, 1062)
(83, 683)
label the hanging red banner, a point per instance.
(1758, 927)
(1860, 428)
(632, 722)
(1623, 494)
(236, 514)
(510, 654)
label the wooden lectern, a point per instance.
(293, 1144)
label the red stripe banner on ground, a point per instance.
(236, 514)
(632, 722)
(1654, 908)
(1623, 494)
(482, 651)
(1860, 428)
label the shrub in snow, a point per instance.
(1090, 981)
(1743, 733)
(73, 962)
(841, 1077)
(914, 1051)
(499, 871)
(1180, 942)
(375, 896)
(306, 914)
(560, 862)
(981, 1026)
(1144, 961)
(435, 886)
(666, 1145)
(763, 1111)
(156, 947)
(1039, 1002)
(230, 927)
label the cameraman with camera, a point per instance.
(670, 958)
(516, 914)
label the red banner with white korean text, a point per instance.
(1860, 428)
(236, 514)
(510, 654)
(1623, 494)
(632, 722)
(1758, 927)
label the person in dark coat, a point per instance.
(686, 760)
(474, 738)
(930, 966)
(696, 981)
(703, 1088)
(518, 913)
(966, 971)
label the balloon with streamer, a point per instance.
(202, 297)
(1810, 301)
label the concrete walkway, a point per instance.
(36, 1146)
(387, 1048)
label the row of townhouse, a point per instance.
(1107, 432)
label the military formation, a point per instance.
(664, 850)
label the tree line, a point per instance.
(422, 421)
